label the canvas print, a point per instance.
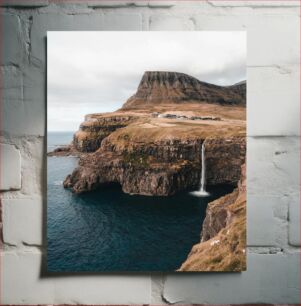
(146, 151)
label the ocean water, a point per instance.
(56, 139)
(108, 230)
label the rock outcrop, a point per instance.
(67, 150)
(223, 238)
(224, 157)
(241, 89)
(161, 167)
(97, 127)
(157, 87)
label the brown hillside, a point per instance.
(161, 87)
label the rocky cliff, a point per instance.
(157, 167)
(223, 237)
(241, 89)
(157, 87)
(97, 127)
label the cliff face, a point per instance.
(224, 157)
(161, 167)
(241, 89)
(223, 238)
(157, 87)
(95, 128)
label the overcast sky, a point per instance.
(92, 72)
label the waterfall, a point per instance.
(202, 191)
(203, 174)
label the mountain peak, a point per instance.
(165, 87)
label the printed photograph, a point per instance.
(146, 151)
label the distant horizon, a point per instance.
(49, 131)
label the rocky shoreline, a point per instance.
(68, 150)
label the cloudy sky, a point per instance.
(92, 72)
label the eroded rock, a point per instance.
(158, 168)
(96, 127)
(223, 238)
(158, 87)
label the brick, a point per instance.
(122, 22)
(34, 106)
(294, 220)
(115, 4)
(268, 279)
(259, 4)
(119, 4)
(273, 182)
(12, 46)
(23, 100)
(22, 284)
(24, 3)
(33, 167)
(273, 165)
(268, 215)
(10, 160)
(277, 89)
(169, 23)
(166, 4)
(260, 219)
(22, 221)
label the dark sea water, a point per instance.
(108, 230)
(56, 139)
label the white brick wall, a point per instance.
(23, 219)
(273, 151)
